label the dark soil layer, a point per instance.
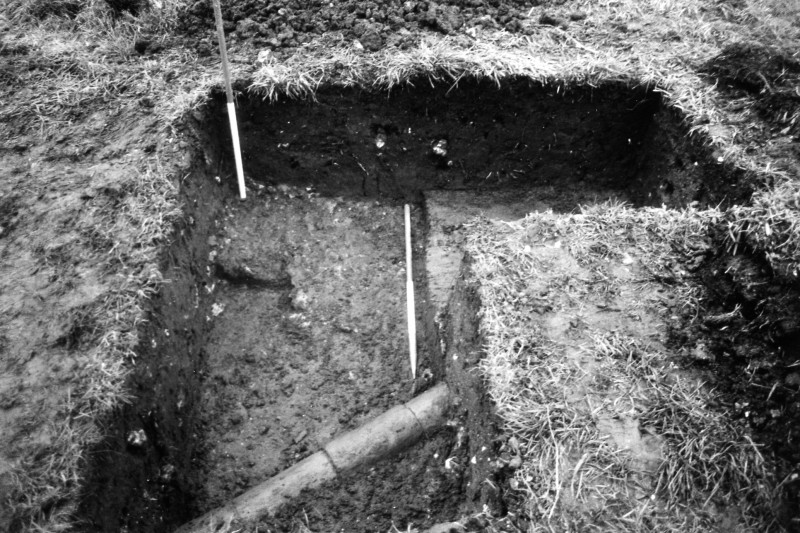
(477, 136)
(463, 351)
(310, 338)
(751, 331)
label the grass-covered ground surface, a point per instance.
(597, 364)
(93, 102)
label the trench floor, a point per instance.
(309, 336)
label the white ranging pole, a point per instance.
(223, 52)
(412, 317)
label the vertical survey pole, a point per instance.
(226, 73)
(412, 317)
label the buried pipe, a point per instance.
(388, 433)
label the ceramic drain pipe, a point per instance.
(393, 430)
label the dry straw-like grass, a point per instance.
(574, 477)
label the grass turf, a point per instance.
(559, 387)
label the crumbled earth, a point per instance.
(289, 23)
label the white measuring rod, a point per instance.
(412, 318)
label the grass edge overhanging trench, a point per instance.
(708, 461)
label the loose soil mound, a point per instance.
(288, 23)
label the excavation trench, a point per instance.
(284, 327)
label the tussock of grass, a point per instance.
(552, 401)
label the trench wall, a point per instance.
(149, 487)
(611, 137)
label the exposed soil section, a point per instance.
(481, 137)
(463, 349)
(458, 472)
